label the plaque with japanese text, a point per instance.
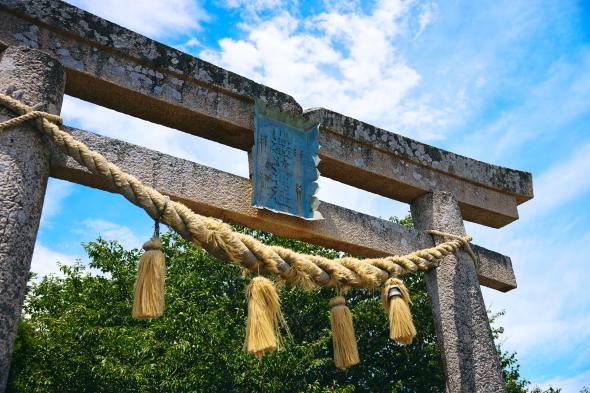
(284, 164)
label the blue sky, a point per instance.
(504, 81)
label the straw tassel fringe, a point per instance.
(264, 317)
(345, 350)
(396, 301)
(149, 285)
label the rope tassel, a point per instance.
(396, 301)
(264, 317)
(345, 351)
(149, 285)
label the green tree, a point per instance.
(77, 333)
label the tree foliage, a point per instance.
(77, 333)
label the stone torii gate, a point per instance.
(45, 40)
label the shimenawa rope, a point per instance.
(221, 241)
(219, 238)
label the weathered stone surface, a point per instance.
(157, 57)
(130, 85)
(462, 327)
(212, 192)
(34, 78)
(499, 178)
(494, 270)
(117, 68)
(404, 169)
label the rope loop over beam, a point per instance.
(220, 240)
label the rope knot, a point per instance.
(337, 301)
(463, 240)
(26, 113)
(15, 121)
(152, 244)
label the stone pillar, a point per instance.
(33, 77)
(463, 331)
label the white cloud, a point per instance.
(426, 17)
(342, 59)
(153, 18)
(252, 7)
(564, 182)
(92, 228)
(547, 307)
(189, 45)
(57, 192)
(45, 260)
(556, 103)
(572, 384)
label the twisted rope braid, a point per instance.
(220, 240)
